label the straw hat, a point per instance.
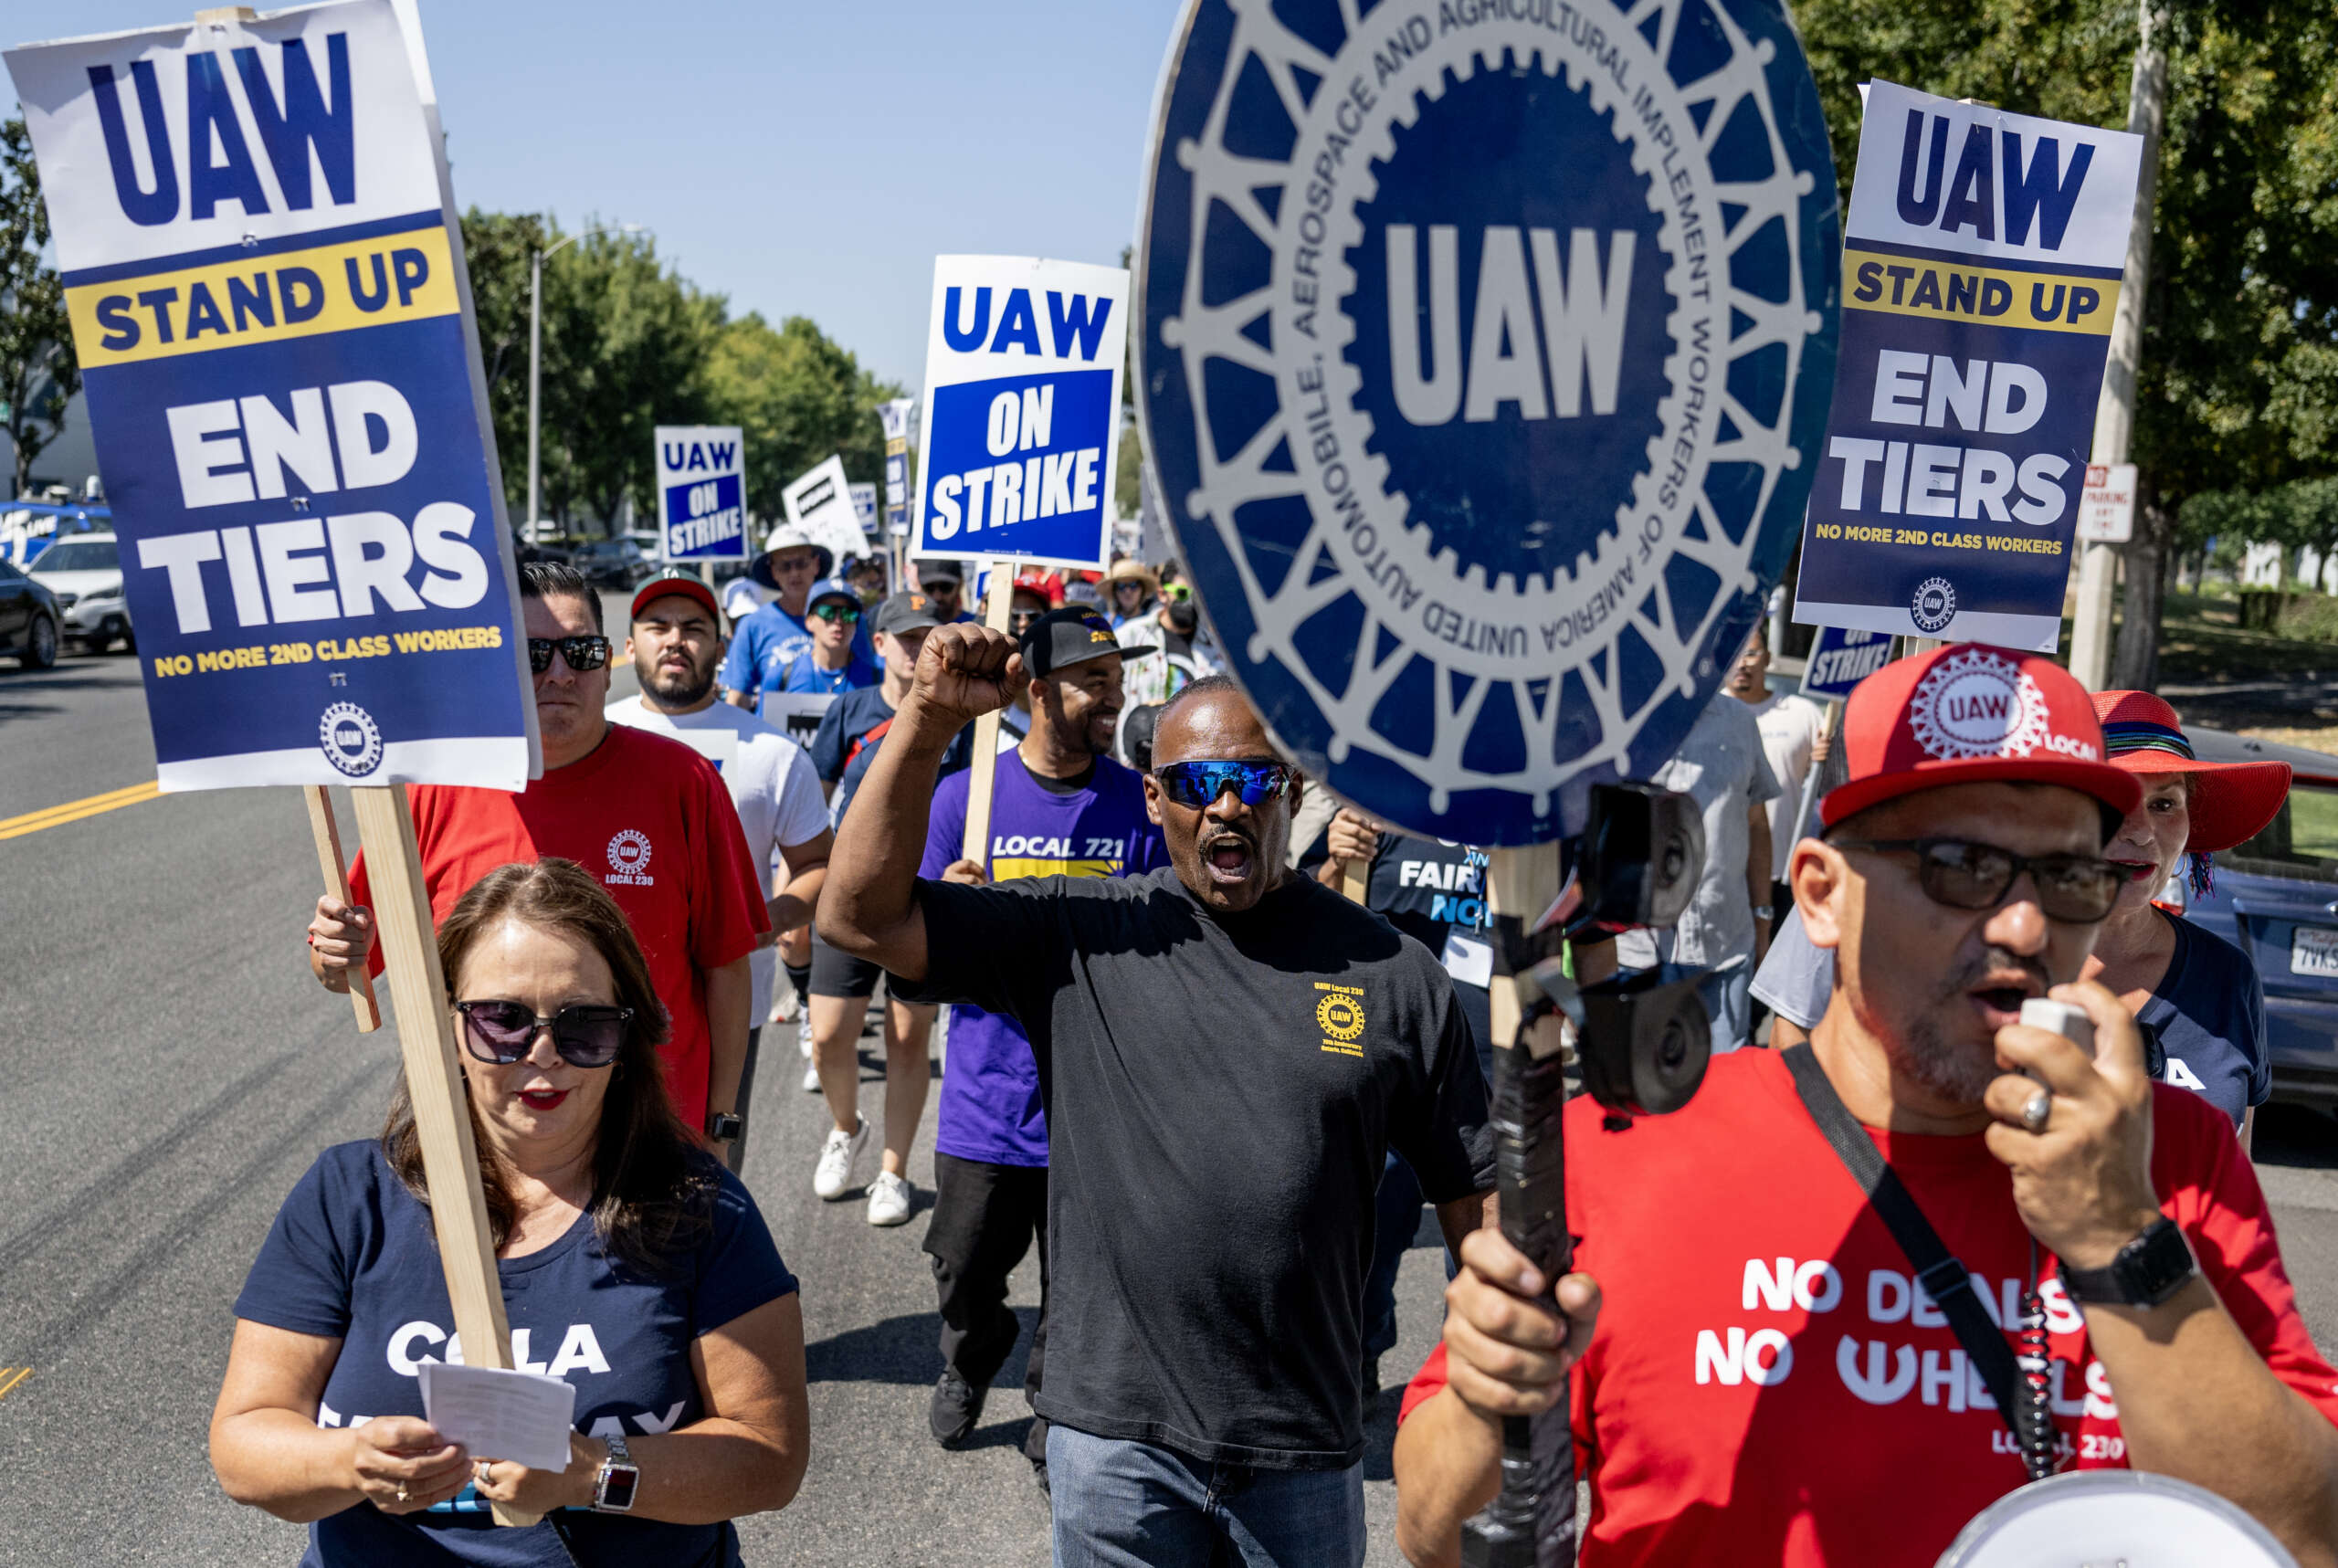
(2231, 802)
(1128, 568)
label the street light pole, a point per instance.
(536, 260)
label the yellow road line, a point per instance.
(75, 810)
(10, 1376)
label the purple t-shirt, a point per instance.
(990, 1081)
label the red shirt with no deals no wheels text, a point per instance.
(649, 818)
(1768, 1385)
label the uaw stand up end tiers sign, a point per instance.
(1487, 345)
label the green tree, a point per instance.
(38, 372)
(798, 397)
(2239, 382)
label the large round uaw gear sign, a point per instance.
(1487, 346)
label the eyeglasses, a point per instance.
(2077, 888)
(586, 1036)
(581, 653)
(833, 611)
(1200, 784)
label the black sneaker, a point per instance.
(1039, 1474)
(956, 1405)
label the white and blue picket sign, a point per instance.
(702, 492)
(266, 287)
(1841, 658)
(1022, 410)
(1484, 354)
(1981, 272)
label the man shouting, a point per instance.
(1226, 1050)
(1788, 1369)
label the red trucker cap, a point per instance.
(1969, 713)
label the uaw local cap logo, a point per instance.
(1979, 704)
(351, 741)
(1485, 350)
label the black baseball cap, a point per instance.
(1070, 636)
(941, 572)
(907, 612)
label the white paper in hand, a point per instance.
(522, 1417)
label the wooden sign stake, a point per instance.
(984, 782)
(1355, 881)
(1522, 882)
(327, 833)
(434, 1079)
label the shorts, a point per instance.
(835, 973)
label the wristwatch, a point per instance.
(620, 1479)
(722, 1126)
(2147, 1271)
(1764, 912)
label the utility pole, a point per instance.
(2114, 416)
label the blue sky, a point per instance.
(803, 158)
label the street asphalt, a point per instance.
(171, 1069)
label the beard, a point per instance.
(1930, 1055)
(678, 689)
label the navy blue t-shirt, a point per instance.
(352, 1257)
(2209, 1011)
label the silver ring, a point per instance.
(2035, 1113)
(402, 1497)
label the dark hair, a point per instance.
(542, 579)
(653, 1186)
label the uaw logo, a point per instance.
(351, 741)
(629, 860)
(1486, 348)
(1980, 704)
(1339, 1013)
(1935, 605)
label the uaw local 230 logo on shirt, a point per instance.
(1339, 1013)
(1487, 345)
(629, 860)
(351, 741)
(1980, 704)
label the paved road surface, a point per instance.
(170, 1070)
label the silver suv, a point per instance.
(84, 571)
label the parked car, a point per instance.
(617, 563)
(2276, 899)
(84, 571)
(29, 619)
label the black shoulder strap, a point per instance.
(1944, 1278)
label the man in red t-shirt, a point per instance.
(1768, 1382)
(648, 815)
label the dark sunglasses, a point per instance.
(586, 1036)
(1200, 784)
(833, 611)
(1019, 621)
(581, 653)
(2077, 888)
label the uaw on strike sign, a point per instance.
(1486, 345)
(1980, 271)
(268, 297)
(1022, 410)
(702, 492)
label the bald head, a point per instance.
(1227, 853)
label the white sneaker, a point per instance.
(889, 1199)
(804, 1045)
(833, 1175)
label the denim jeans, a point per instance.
(1124, 1504)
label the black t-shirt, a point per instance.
(1221, 1094)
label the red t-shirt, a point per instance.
(1765, 1387)
(650, 818)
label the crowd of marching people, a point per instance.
(1211, 1043)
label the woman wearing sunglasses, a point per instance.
(633, 1266)
(2196, 995)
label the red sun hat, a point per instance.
(2231, 802)
(1969, 713)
